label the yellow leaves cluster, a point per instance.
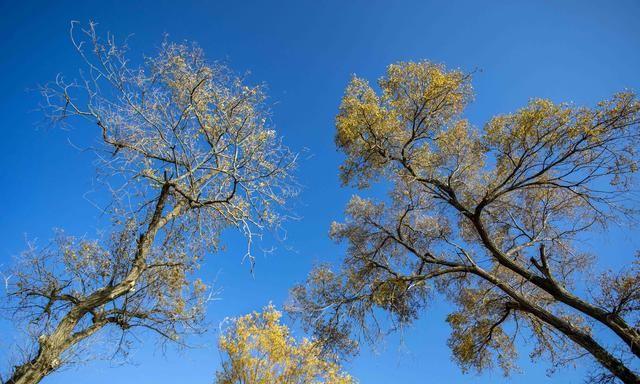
(477, 336)
(538, 121)
(425, 85)
(418, 101)
(461, 151)
(360, 111)
(546, 123)
(364, 125)
(260, 350)
(542, 129)
(388, 292)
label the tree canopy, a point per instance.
(187, 150)
(487, 217)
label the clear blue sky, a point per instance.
(579, 51)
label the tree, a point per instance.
(490, 218)
(187, 150)
(258, 349)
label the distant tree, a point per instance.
(490, 218)
(258, 349)
(188, 151)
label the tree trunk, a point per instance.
(606, 359)
(65, 336)
(34, 371)
(583, 339)
(629, 336)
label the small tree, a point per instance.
(488, 217)
(188, 151)
(258, 349)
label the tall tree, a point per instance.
(488, 217)
(187, 150)
(258, 349)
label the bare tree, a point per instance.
(488, 217)
(188, 151)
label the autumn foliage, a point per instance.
(488, 217)
(258, 349)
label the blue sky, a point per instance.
(580, 51)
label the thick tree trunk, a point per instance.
(629, 336)
(606, 359)
(34, 371)
(52, 347)
(583, 339)
(28, 375)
